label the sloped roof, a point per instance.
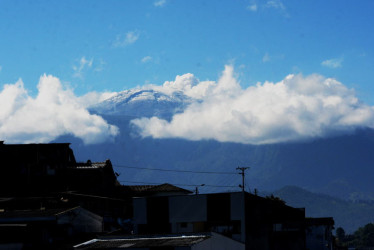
(90, 164)
(138, 242)
(32, 215)
(152, 189)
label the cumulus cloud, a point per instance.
(187, 83)
(333, 63)
(55, 111)
(298, 107)
(92, 98)
(130, 38)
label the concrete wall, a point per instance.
(191, 213)
(218, 242)
(187, 208)
(185, 211)
(238, 213)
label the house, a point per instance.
(91, 178)
(48, 174)
(319, 233)
(206, 241)
(257, 222)
(28, 169)
(41, 178)
(41, 169)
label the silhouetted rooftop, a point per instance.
(138, 242)
(150, 189)
(32, 215)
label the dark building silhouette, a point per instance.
(39, 183)
(28, 169)
(48, 200)
(257, 222)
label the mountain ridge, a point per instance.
(347, 214)
(338, 165)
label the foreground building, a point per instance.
(257, 222)
(205, 241)
(48, 200)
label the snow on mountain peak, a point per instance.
(143, 102)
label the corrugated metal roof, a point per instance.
(161, 241)
(89, 164)
(166, 187)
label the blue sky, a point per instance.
(258, 71)
(116, 45)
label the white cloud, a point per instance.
(130, 38)
(270, 58)
(159, 3)
(298, 107)
(55, 111)
(276, 4)
(83, 65)
(333, 63)
(1, 68)
(100, 66)
(266, 57)
(252, 7)
(93, 98)
(187, 84)
(146, 59)
(269, 4)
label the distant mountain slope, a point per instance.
(341, 166)
(348, 215)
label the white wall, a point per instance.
(238, 213)
(219, 242)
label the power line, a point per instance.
(174, 170)
(189, 185)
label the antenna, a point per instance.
(242, 173)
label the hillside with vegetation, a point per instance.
(347, 214)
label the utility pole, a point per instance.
(242, 173)
(197, 188)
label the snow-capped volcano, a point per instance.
(143, 103)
